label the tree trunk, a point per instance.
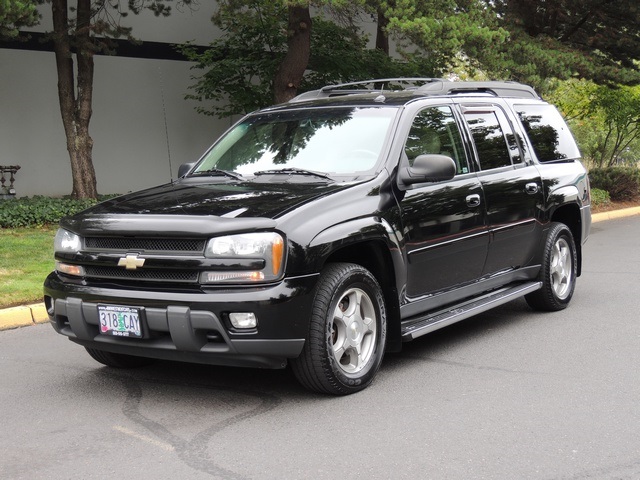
(291, 71)
(382, 37)
(75, 102)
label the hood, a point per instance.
(228, 200)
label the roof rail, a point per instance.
(378, 86)
(423, 86)
(498, 89)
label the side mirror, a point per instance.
(429, 168)
(185, 168)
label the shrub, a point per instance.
(600, 197)
(622, 183)
(38, 210)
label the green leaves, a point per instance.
(38, 210)
(622, 183)
(591, 39)
(605, 119)
(15, 14)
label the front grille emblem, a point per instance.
(131, 262)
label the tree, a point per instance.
(592, 39)
(606, 120)
(85, 29)
(80, 31)
(15, 14)
(270, 50)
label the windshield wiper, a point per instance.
(219, 172)
(292, 171)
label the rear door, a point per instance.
(512, 189)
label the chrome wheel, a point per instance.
(558, 271)
(347, 332)
(561, 268)
(353, 333)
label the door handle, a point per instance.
(531, 188)
(473, 200)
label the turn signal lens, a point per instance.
(75, 270)
(277, 255)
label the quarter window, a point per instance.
(548, 132)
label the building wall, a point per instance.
(132, 99)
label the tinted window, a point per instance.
(491, 144)
(548, 132)
(435, 131)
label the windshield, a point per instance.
(339, 141)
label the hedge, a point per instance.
(38, 210)
(622, 183)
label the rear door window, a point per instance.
(493, 137)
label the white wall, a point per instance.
(128, 123)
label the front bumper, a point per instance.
(190, 326)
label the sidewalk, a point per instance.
(33, 314)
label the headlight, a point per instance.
(66, 242)
(265, 246)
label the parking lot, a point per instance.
(509, 394)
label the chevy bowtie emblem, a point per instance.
(131, 262)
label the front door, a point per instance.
(444, 223)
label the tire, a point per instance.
(558, 272)
(118, 360)
(347, 332)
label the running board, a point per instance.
(419, 326)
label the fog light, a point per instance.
(243, 320)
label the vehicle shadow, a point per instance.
(447, 341)
(282, 383)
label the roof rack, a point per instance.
(423, 86)
(498, 89)
(379, 85)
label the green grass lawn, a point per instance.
(26, 258)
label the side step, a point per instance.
(419, 326)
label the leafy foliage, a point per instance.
(591, 39)
(600, 197)
(38, 210)
(15, 14)
(622, 183)
(606, 120)
(240, 66)
(80, 30)
(442, 30)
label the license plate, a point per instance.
(119, 321)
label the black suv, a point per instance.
(331, 229)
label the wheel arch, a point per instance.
(373, 246)
(569, 215)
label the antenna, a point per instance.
(166, 127)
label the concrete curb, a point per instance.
(23, 316)
(625, 212)
(26, 315)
